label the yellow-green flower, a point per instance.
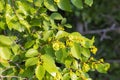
(71, 37)
(61, 28)
(49, 39)
(77, 39)
(93, 49)
(57, 77)
(56, 1)
(56, 46)
(91, 58)
(69, 43)
(85, 67)
(101, 60)
(21, 70)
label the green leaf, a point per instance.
(1, 5)
(15, 49)
(75, 51)
(9, 71)
(31, 53)
(5, 53)
(4, 63)
(75, 64)
(84, 58)
(61, 34)
(56, 16)
(46, 25)
(85, 52)
(68, 62)
(77, 3)
(49, 64)
(68, 25)
(9, 13)
(36, 22)
(38, 3)
(14, 24)
(61, 55)
(16, 58)
(49, 4)
(64, 20)
(21, 8)
(73, 76)
(5, 40)
(2, 24)
(30, 1)
(66, 76)
(64, 5)
(89, 2)
(29, 44)
(24, 22)
(12, 20)
(28, 72)
(49, 50)
(39, 72)
(43, 10)
(102, 67)
(25, 7)
(47, 34)
(53, 24)
(31, 61)
(76, 34)
(88, 42)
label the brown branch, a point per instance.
(102, 32)
(112, 28)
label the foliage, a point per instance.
(100, 17)
(34, 45)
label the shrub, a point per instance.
(34, 44)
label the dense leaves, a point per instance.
(34, 45)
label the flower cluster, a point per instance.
(57, 45)
(77, 39)
(69, 43)
(85, 67)
(93, 49)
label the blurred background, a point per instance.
(102, 20)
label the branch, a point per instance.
(113, 61)
(2, 77)
(112, 28)
(102, 32)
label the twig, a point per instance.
(2, 77)
(113, 61)
(17, 65)
(104, 36)
(101, 30)
(4, 70)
